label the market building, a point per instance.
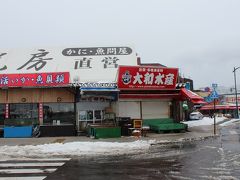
(225, 105)
(65, 89)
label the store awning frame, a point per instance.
(191, 96)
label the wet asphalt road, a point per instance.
(217, 158)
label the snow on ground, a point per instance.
(94, 148)
(204, 121)
(76, 149)
(227, 123)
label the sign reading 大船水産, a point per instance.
(147, 77)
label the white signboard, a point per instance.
(85, 64)
(97, 85)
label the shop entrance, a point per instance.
(86, 117)
(90, 113)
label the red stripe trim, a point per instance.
(148, 96)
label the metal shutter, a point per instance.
(129, 109)
(151, 110)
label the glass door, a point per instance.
(86, 117)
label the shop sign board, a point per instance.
(34, 79)
(147, 77)
(85, 64)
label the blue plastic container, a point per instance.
(18, 132)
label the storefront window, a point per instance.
(90, 115)
(2, 114)
(83, 115)
(60, 113)
(98, 114)
(22, 114)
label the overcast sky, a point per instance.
(200, 37)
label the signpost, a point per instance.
(214, 95)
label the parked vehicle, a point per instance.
(195, 116)
(228, 115)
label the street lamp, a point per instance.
(235, 81)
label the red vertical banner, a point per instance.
(6, 111)
(40, 112)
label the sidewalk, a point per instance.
(194, 133)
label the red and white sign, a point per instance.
(231, 99)
(85, 64)
(147, 77)
(40, 112)
(34, 79)
(7, 111)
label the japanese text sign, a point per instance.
(6, 111)
(147, 77)
(85, 64)
(34, 79)
(40, 112)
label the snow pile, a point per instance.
(232, 121)
(77, 148)
(204, 121)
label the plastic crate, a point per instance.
(106, 132)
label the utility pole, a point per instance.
(235, 82)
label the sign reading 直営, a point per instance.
(84, 64)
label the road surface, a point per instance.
(215, 158)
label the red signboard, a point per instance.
(35, 79)
(7, 111)
(40, 112)
(232, 100)
(147, 77)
